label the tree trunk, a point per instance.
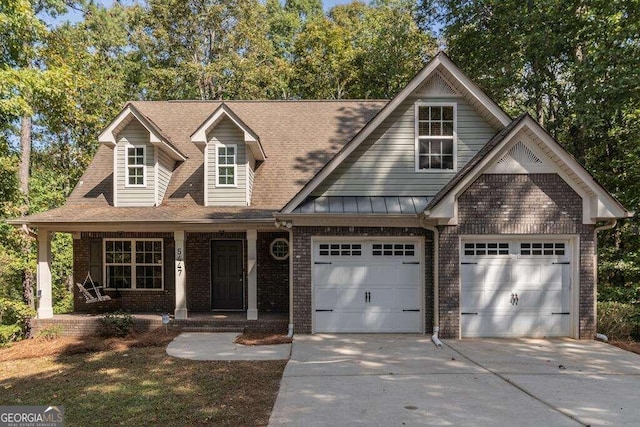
(25, 162)
(25, 159)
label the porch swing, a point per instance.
(91, 291)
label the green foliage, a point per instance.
(14, 316)
(116, 324)
(9, 334)
(618, 320)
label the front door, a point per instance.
(227, 277)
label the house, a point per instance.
(432, 209)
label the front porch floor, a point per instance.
(82, 324)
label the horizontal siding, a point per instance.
(384, 164)
(135, 134)
(165, 168)
(226, 132)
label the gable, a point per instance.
(439, 76)
(385, 163)
(524, 147)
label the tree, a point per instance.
(360, 51)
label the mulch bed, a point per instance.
(262, 339)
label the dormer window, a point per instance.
(435, 137)
(226, 165)
(135, 167)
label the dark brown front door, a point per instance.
(226, 275)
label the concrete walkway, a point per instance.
(220, 346)
(404, 380)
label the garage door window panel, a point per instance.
(340, 249)
(393, 249)
(542, 249)
(486, 248)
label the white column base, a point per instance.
(45, 313)
(180, 314)
(252, 314)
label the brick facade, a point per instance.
(541, 204)
(273, 275)
(302, 250)
(142, 300)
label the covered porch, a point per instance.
(192, 264)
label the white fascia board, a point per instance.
(108, 136)
(475, 91)
(250, 138)
(604, 206)
(369, 128)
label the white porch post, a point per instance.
(181, 276)
(252, 274)
(45, 304)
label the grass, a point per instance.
(132, 381)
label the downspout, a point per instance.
(290, 332)
(436, 285)
(607, 226)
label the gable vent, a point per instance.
(520, 159)
(437, 86)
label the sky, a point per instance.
(75, 16)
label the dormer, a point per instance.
(231, 152)
(143, 159)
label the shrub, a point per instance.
(52, 332)
(14, 319)
(626, 295)
(9, 333)
(618, 321)
(116, 324)
(64, 305)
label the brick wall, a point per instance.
(302, 289)
(132, 300)
(198, 267)
(273, 276)
(515, 204)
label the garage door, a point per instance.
(515, 289)
(367, 286)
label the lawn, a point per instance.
(133, 382)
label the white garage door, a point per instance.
(515, 289)
(367, 286)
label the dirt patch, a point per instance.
(256, 338)
(66, 346)
(632, 346)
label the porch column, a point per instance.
(252, 274)
(45, 305)
(181, 276)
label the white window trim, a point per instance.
(235, 166)
(132, 264)
(417, 135)
(126, 166)
(279, 258)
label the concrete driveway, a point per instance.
(404, 380)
